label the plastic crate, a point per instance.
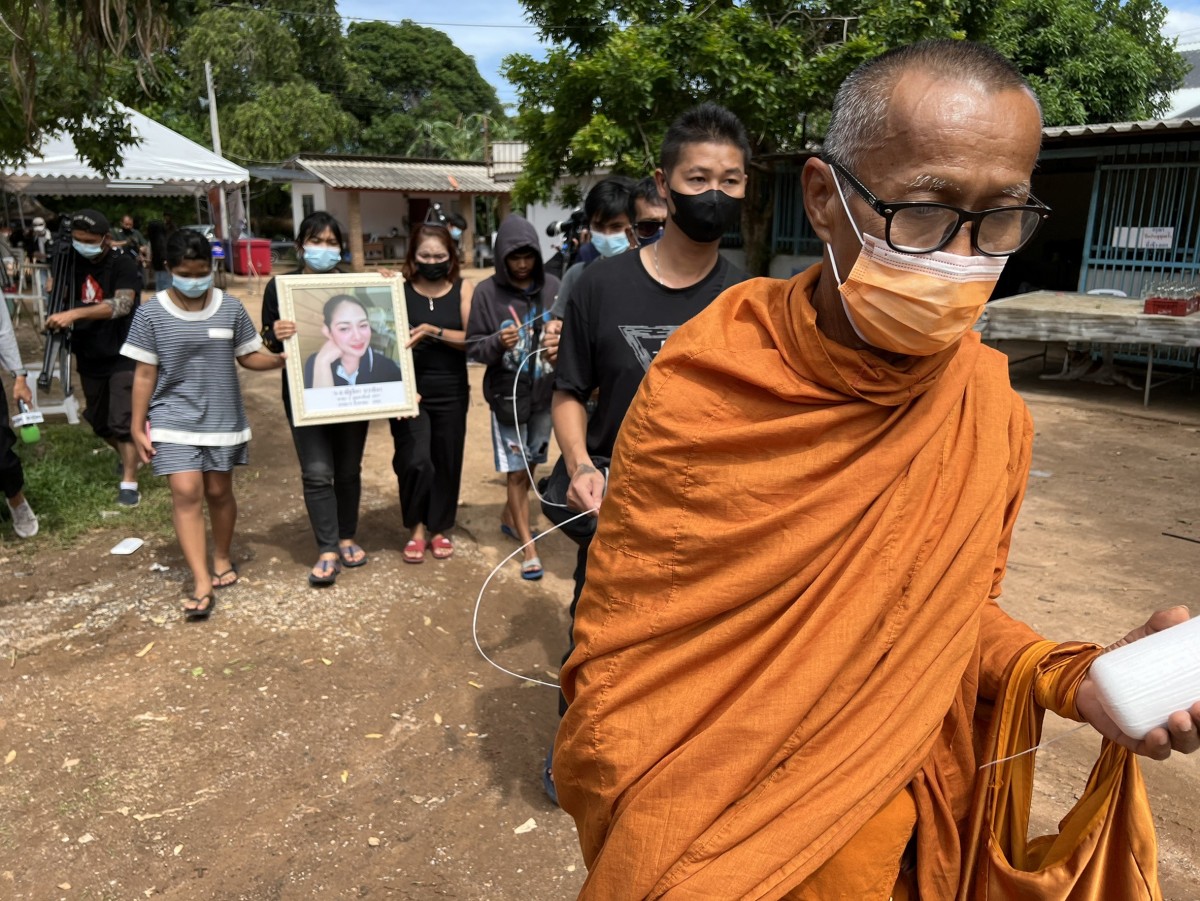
(1171, 306)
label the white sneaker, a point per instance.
(25, 524)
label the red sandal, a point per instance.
(414, 551)
(443, 547)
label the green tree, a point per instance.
(621, 71)
(277, 69)
(285, 119)
(64, 59)
(403, 77)
(463, 139)
(1127, 72)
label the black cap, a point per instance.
(92, 221)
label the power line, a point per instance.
(341, 18)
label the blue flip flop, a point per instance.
(548, 777)
(531, 570)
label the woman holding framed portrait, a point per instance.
(428, 458)
(331, 454)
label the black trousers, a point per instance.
(331, 470)
(580, 576)
(12, 476)
(428, 459)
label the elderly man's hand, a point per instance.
(1182, 732)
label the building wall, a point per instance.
(381, 210)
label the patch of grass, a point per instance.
(70, 482)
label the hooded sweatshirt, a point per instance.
(495, 301)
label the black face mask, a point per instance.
(433, 272)
(705, 217)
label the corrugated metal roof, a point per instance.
(281, 174)
(1119, 128)
(393, 174)
(508, 158)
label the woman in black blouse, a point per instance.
(429, 448)
(330, 455)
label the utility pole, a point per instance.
(215, 129)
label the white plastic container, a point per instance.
(1144, 682)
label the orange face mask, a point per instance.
(915, 304)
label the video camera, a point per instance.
(438, 216)
(570, 229)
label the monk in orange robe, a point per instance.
(790, 623)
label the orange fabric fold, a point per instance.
(866, 868)
(789, 613)
(1105, 847)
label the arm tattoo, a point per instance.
(121, 303)
(585, 468)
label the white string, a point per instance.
(1048, 741)
(479, 602)
(528, 323)
(500, 565)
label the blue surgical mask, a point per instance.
(455, 233)
(320, 258)
(610, 245)
(192, 287)
(90, 251)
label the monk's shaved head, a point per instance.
(861, 105)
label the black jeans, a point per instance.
(331, 470)
(428, 460)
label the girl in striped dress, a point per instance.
(188, 417)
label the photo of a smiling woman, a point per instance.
(347, 357)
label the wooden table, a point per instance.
(1060, 316)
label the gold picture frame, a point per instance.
(355, 366)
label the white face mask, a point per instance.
(913, 303)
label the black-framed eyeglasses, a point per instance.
(648, 228)
(924, 226)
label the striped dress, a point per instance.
(197, 401)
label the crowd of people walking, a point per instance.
(800, 722)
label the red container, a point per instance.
(252, 256)
(1172, 306)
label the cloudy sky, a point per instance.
(490, 29)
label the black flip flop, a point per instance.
(347, 551)
(219, 585)
(197, 613)
(331, 568)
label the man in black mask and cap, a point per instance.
(623, 309)
(104, 293)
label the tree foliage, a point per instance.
(285, 119)
(287, 79)
(64, 57)
(402, 79)
(621, 71)
(1127, 72)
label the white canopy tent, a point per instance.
(161, 162)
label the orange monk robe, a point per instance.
(789, 613)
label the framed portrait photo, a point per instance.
(347, 360)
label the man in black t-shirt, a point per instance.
(623, 309)
(104, 291)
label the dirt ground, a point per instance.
(354, 743)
